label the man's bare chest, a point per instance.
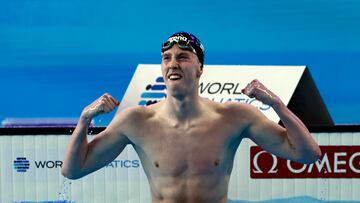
(196, 149)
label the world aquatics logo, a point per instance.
(21, 164)
(153, 92)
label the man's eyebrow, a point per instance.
(184, 54)
(166, 54)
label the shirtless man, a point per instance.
(186, 143)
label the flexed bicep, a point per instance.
(103, 149)
(270, 136)
(107, 145)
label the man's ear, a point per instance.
(200, 71)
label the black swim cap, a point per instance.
(186, 41)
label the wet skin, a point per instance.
(187, 144)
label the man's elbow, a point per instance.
(70, 175)
(311, 156)
(318, 153)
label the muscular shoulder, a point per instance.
(239, 112)
(252, 118)
(126, 119)
(234, 108)
(134, 114)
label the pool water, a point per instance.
(301, 199)
(64, 196)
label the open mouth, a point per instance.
(174, 76)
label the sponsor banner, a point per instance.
(124, 180)
(30, 170)
(335, 162)
(22, 164)
(220, 83)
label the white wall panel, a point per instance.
(121, 184)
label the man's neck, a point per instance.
(183, 109)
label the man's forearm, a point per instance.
(298, 134)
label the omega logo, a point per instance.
(335, 162)
(257, 169)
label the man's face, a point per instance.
(181, 70)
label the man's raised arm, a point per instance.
(292, 142)
(81, 157)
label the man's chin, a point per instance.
(175, 91)
(174, 84)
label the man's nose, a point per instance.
(174, 63)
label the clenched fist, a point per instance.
(257, 90)
(105, 104)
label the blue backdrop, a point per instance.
(56, 56)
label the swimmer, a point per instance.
(186, 143)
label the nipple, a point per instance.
(156, 164)
(216, 162)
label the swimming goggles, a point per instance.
(181, 41)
